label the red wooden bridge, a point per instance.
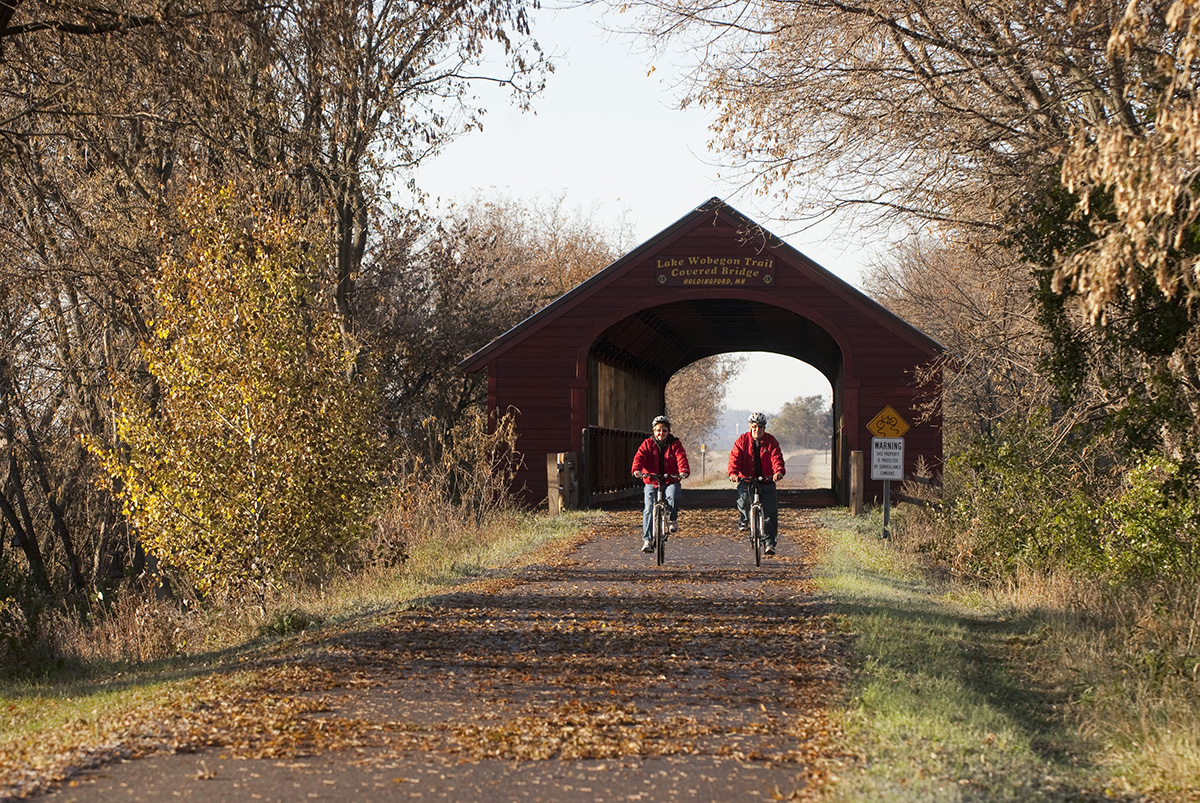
(588, 373)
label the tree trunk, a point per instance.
(38, 463)
(22, 525)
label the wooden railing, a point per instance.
(607, 458)
(925, 491)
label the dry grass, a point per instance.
(114, 680)
(135, 628)
(1136, 666)
(142, 627)
(1127, 661)
(1131, 661)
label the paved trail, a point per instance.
(598, 676)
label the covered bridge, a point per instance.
(588, 373)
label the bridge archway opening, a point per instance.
(798, 402)
(631, 362)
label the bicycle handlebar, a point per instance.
(644, 474)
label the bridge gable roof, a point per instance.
(711, 214)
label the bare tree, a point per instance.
(109, 113)
(696, 397)
(976, 302)
(434, 291)
(948, 111)
(548, 246)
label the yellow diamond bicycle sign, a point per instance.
(888, 424)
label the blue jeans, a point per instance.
(770, 505)
(650, 493)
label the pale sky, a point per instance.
(607, 133)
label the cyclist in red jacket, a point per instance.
(661, 453)
(757, 454)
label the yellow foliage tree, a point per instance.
(251, 455)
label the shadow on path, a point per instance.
(601, 676)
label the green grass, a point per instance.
(950, 701)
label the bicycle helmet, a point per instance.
(758, 418)
(662, 419)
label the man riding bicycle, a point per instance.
(661, 453)
(757, 454)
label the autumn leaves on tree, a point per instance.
(111, 115)
(247, 452)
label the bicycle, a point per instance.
(757, 523)
(660, 517)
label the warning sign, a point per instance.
(887, 458)
(888, 424)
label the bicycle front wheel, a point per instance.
(662, 518)
(756, 532)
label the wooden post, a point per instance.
(554, 484)
(856, 483)
(569, 472)
(584, 473)
(887, 508)
(562, 482)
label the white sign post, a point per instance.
(887, 464)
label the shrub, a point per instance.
(1034, 500)
(250, 457)
(1018, 500)
(462, 480)
(1150, 530)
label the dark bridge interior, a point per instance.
(652, 341)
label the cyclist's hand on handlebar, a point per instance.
(684, 475)
(733, 477)
(777, 477)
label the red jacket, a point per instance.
(673, 458)
(741, 456)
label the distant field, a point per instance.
(806, 468)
